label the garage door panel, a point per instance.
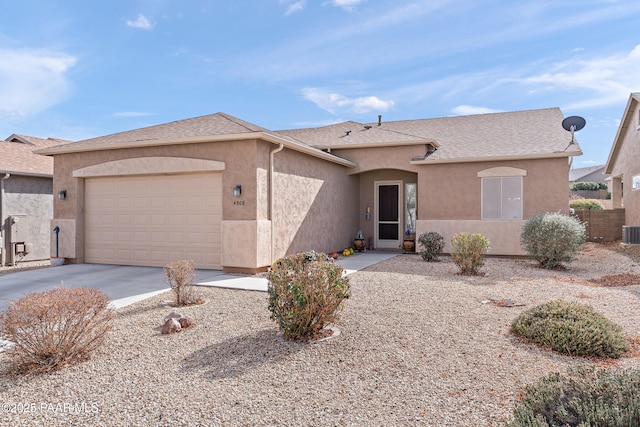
(153, 220)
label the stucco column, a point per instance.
(616, 192)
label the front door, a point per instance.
(388, 233)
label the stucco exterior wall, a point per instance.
(626, 165)
(239, 158)
(454, 191)
(316, 204)
(367, 196)
(32, 197)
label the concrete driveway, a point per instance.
(118, 282)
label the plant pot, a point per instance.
(57, 261)
(358, 244)
(408, 245)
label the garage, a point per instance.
(150, 220)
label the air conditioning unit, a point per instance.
(631, 234)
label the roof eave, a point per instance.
(377, 144)
(68, 148)
(431, 161)
(22, 173)
(624, 124)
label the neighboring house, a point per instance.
(26, 201)
(624, 162)
(235, 196)
(589, 174)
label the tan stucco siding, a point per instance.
(239, 158)
(454, 191)
(369, 159)
(626, 165)
(367, 196)
(315, 204)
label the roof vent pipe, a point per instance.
(379, 119)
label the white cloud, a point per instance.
(597, 82)
(32, 80)
(332, 102)
(464, 110)
(131, 114)
(295, 7)
(346, 4)
(141, 22)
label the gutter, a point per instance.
(2, 221)
(272, 199)
(431, 161)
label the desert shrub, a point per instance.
(431, 245)
(552, 238)
(306, 291)
(592, 204)
(585, 396)
(55, 328)
(180, 277)
(468, 251)
(571, 328)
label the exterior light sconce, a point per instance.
(237, 191)
(367, 214)
(62, 194)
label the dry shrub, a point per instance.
(180, 277)
(468, 251)
(55, 328)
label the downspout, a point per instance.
(2, 221)
(271, 199)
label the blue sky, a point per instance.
(76, 69)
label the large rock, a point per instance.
(170, 326)
(185, 322)
(173, 315)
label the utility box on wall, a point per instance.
(18, 228)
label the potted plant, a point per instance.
(409, 241)
(358, 242)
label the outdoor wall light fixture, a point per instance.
(237, 191)
(62, 194)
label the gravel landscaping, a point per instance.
(419, 345)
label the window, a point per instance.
(502, 198)
(635, 182)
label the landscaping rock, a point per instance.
(173, 315)
(170, 326)
(186, 322)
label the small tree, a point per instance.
(468, 251)
(180, 277)
(306, 291)
(552, 238)
(431, 245)
(55, 328)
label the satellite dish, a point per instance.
(573, 124)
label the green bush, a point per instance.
(552, 238)
(468, 251)
(584, 397)
(306, 291)
(592, 204)
(431, 245)
(55, 328)
(588, 186)
(572, 329)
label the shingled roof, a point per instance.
(17, 155)
(520, 134)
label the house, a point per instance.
(624, 163)
(588, 174)
(26, 200)
(232, 195)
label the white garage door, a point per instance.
(155, 219)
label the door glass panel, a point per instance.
(388, 231)
(388, 203)
(410, 207)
